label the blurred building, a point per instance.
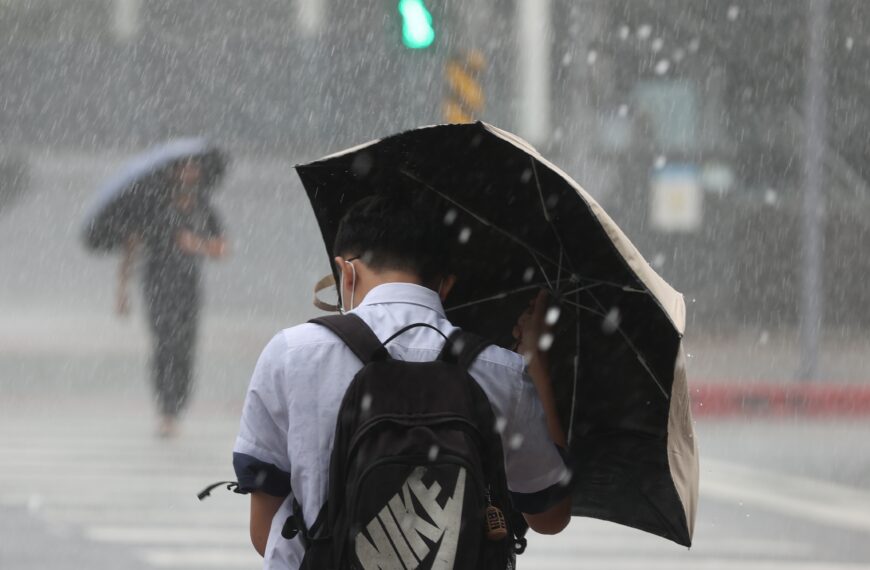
(683, 117)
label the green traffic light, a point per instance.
(417, 30)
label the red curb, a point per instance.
(721, 400)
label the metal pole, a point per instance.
(812, 234)
(311, 16)
(533, 76)
(125, 19)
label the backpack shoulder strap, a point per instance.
(462, 348)
(356, 335)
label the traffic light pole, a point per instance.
(533, 73)
(812, 211)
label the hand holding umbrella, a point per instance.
(533, 335)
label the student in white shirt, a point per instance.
(393, 262)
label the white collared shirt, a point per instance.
(297, 386)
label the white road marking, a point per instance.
(234, 558)
(581, 562)
(167, 535)
(818, 501)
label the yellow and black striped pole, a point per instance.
(464, 99)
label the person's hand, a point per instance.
(188, 242)
(122, 304)
(216, 248)
(531, 327)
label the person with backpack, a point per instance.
(387, 438)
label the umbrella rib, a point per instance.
(634, 349)
(576, 375)
(498, 296)
(548, 219)
(535, 253)
(584, 308)
(596, 283)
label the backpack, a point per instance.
(416, 475)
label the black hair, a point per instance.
(388, 232)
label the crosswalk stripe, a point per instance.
(178, 558)
(167, 535)
(582, 562)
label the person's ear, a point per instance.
(346, 279)
(447, 284)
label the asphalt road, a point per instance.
(85, 484)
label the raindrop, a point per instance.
(657, 45)
(362, 164)
(623, 110)
(764, 338)
(433, 452)
(679, 54)
(849, 43)
(660, 162)
(465, 235)
(611, 321)
(592, 57)
(565, 477)
(260, 478)
(552, 200)
(545, 342)
(529, 274)
(733, 12)
(450, 217)
(662, 66)
(516, 441)
(624, 32)
(644, 31)
(553, 314)
(500, 424)
(658, 260)
(526, 175)
(694, 45)
(366, 403)
(770, 197)
(567, 59)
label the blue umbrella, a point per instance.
(131, 197)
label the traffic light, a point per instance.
(417, 30)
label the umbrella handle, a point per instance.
(325, 283)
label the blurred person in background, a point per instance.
(175, 241)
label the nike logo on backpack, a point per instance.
(397, 532)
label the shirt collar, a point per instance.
(404, 293)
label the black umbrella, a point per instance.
(138, 190)
(520, 225)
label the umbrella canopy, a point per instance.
(132, 196)
(521, 224)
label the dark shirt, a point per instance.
(171, 275)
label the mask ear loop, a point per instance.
(352, 286)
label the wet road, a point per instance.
(84, 483)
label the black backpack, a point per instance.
(416, 476)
